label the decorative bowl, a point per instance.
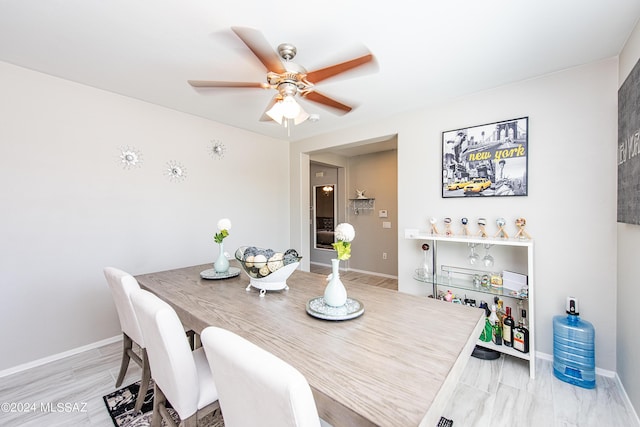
(268, 270)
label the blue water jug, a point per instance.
(574, 355)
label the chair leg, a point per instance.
(191, 336)
(144, 382)
(159, 401)
(127, 345)
(192, 421)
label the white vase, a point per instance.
(335, 293)
(222, 263)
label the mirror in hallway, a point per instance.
(324, 208)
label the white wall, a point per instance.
(628, 344)
(69, 208)
(571, 207)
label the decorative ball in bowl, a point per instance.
(268, 270)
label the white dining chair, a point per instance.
(122, 284)
(256, 388)
(181, 375)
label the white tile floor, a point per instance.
(500, 393)
(491, 393)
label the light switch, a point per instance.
(382, 213)
(386, 224)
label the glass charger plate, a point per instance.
(350, 310)
(211, 274)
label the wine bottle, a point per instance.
(493, 317)
(521, 335)
(496, 335)
(507, 329)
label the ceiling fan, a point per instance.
(288, 78)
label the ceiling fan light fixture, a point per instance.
(287, 110)
(275, 113)
(290, 108)
(301, 117)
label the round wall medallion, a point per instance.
(175, 171)
(130, 157)
(217, 149)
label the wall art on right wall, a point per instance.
(486, 160)
(629, 148)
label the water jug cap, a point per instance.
(572, 306)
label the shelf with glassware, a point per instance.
(467, 279)
(487, 262)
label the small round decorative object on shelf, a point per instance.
(482, 222)
(522, 234)
(501, 222)
(447, 224)
(434, 228)
(465, 228)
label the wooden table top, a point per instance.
(396, 365)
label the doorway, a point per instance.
(366, 166)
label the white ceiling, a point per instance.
(426, 52)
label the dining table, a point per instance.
(396, 364)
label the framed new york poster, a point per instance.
(487, 160)
(629, 148)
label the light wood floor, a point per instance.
(490, 394)
(354, 276)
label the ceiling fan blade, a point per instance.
(260, 48)
(210, 83)
(324, 73)
(326, 101)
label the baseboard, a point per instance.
(627, 401)
(371, 273)
(54, 357)
(599, 371)
(320, 264)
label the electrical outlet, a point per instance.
(384, 255)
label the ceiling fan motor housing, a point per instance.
(287, 88)
(287, 51)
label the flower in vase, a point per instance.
(224, 225)
(344, 233)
